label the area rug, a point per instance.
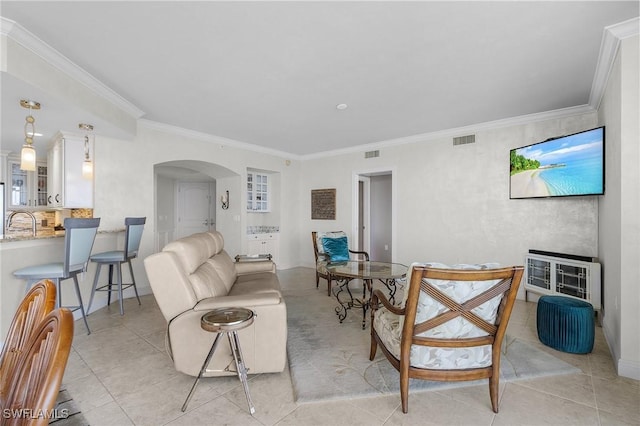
(329, 360)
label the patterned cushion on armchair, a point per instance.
(389, 326)
(321, 266)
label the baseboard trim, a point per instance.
(625, 368)
(629, 368)
(101, 300)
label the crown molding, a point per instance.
(423, 137)
(453, 132)
(6, 25)
(30, 41)
(206, 137)
(611, 38)
(625, 29)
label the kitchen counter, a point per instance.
(24, 250)
(8, 238)
(26, 237)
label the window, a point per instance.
(257, 192)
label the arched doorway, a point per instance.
(186, 201)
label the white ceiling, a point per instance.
(272, 73)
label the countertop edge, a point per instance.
(12, 238)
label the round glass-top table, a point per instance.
(367, 271)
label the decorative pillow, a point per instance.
(321, 235)
(336, 248)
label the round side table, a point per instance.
(226, 321)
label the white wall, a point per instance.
(618, 213)
(228, 221)
(629, 364)
(452, 203)
(165, 210)
(609, 211)
(124, 185)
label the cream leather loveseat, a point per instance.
(193, 275)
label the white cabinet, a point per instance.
(54, 162)
(258, 192)
(560, 276)
(27, 190)
(67, 187)
(264, 244)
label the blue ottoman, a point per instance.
(566, 324)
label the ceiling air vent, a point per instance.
(463, 140)
(372, 154)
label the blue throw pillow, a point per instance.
(336, 248)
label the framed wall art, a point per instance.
(323, 204)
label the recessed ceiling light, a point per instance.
(341, 106)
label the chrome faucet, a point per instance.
(33, 219)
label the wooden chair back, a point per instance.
(35, 386)
(314, 239)
(415, 333)
(37, 303)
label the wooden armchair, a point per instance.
(453, 325)
(38, 302)
(35, 386)
(323, 258)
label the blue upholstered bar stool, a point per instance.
(133, 234)
(78, 241)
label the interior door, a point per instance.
(374, 220)
(194, 208)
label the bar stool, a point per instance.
(133, 234)
(226, 321)
(78, 241)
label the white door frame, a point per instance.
(357, 176)
(365, 244)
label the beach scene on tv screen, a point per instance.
(571, 165)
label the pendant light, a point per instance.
(87, 164)
(28, 153)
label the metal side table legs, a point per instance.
(226, 321)
(240, 367)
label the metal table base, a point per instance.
(236, 319)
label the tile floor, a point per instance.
(121, 375)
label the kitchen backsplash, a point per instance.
(82, 213)
(21, 223)
(46, 220)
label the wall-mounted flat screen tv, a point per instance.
(566, 166)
